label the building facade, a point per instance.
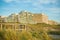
(11, 18)
(26, 17)
(51, 22)
(17, 22)
(40, 18)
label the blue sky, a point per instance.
(48, 7)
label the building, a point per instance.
(1, 19)
(51, 22)
(11, 18)
(17, 22)
(11, 23)
(40, 18)
(12, 26)
(26, 17)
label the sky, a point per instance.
(49, 7)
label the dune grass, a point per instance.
(33, 32)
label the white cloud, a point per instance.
(33, 1)
(27, 1)
(8, 1)
(54, 10)
(17, 1)
(41, 2)
(47, 1)
(39, 5)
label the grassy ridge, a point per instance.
(24, 35)
(33, 32)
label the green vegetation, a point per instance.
(24, 35)
(57, 28)
(54, 32)
(33, 32)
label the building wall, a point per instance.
(11, 18)
(37, 18)
(52, 22)
(25, 17)
(1, 19)
(40, 18)
(12, 26)
(44, 18)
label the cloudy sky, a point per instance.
(49, 7)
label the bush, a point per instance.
(33, 32)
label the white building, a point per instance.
(26, 17)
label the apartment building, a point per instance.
(26, 17)
(17, 22)
(11, 23)
(40, 18)
(1, 19)
(51, 22)
(11, 18)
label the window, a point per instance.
(22, 26)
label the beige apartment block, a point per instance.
(51, 22)
(40, 18)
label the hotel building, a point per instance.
(51, 22)
(18, 22)
(40, 18)
(26, 17)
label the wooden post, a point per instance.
(1, 26)
(15, 26)
(25, 27)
